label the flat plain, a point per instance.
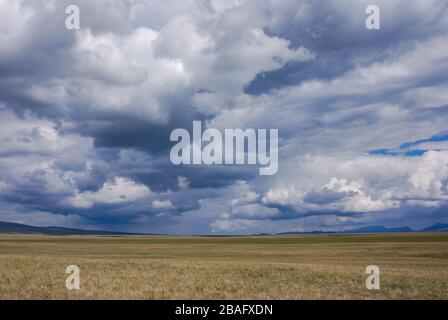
(413, 266)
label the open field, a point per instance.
(286, 267)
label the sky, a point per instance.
(86, 115)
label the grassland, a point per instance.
(288, 267)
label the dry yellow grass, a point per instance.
(290, 267)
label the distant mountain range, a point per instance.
(16, 228)
(438, 227)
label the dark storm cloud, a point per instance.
(326, 196)
(335, 32)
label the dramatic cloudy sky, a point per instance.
(85, 116)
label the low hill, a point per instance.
(438, 227)
(17, 228)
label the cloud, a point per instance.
(183, 183)
(162, 204)
(231, 225)
(112, 192)
(361, 184)
(86, 115)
